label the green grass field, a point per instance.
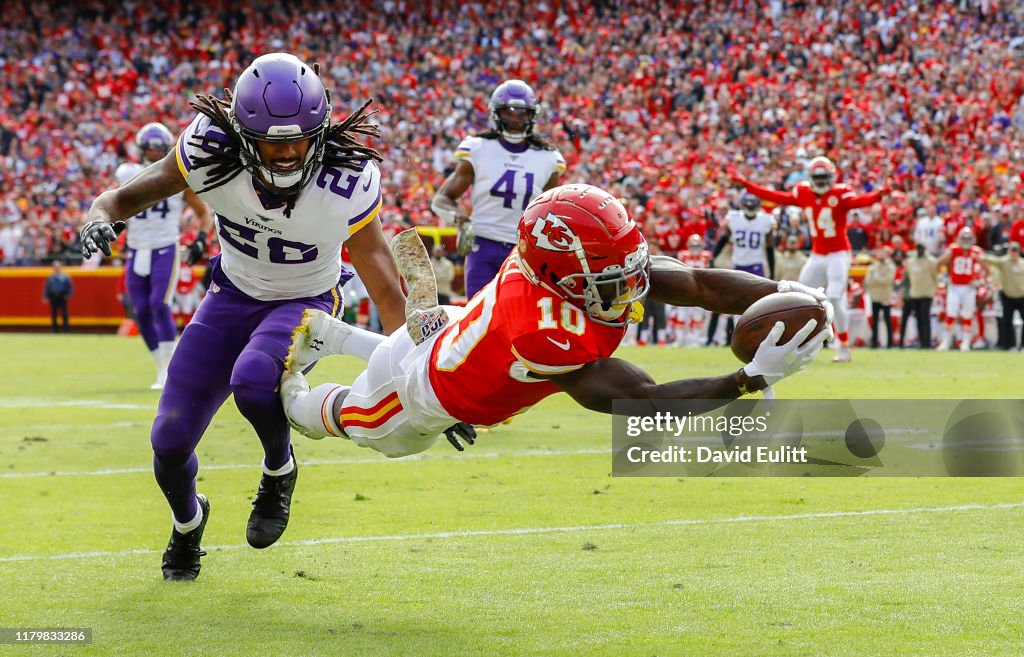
(523, 545)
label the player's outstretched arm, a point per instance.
(156, 182)
(719, 290)
(865, 200)
(372, 258)
(597, 384)
(766, 194)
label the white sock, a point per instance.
(314, 410)
(842, 318)
(164, 350)
(280, 472)
(356, 342)
(186, 527)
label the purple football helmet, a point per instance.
(751, 205)
(154, 137)
(513, 94)
(279, 98)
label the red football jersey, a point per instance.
(826, 214)
(701, 260)
(186, 279)
(964, 264)
(480, 364)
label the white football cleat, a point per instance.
(947, 340)
(311, 340)
(293, 386)
(843, 356)
(965, 344)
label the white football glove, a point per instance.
(816, 292)
(776, 361)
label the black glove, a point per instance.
(460, 430)
(98, 235)
(197, 249)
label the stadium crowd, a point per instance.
(659, 102)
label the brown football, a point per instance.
(793, 308)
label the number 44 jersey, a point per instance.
(505, 179)
(158, 226)
(480, 365)
(270, 256)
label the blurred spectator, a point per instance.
(57, 291)
(929, 230)
(658, 100)
(444, 273)
(920, 280)
(1011, 294)
(878, 283)
(789, 262)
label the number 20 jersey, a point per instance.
(479, 365)
(504, 183)
(158, 226)
(269, 256)
(749, 237)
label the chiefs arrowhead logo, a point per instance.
(552, 234)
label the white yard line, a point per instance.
(521, 531)
(83, 403)
(307, 462)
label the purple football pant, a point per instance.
(757, 270)
(151, 295)
(483, 263)
(234, 345)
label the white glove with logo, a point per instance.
(776, 361)
(816, 292)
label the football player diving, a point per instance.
(549, 322)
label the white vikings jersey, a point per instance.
(748, 237)
(158, 226)
(265, 254)
(504, 183)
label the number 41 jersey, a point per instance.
(480, 364)
(505, 179)
(158, 226)
(267, 255)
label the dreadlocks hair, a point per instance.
(341, 147)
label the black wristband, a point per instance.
(747, 384)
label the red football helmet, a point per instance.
(695, 243)
(578, 242)
(965, 237)
(822, 173)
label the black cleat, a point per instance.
(271, 508)
(181, 558)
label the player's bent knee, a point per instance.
(173, 438)
(255, 371)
